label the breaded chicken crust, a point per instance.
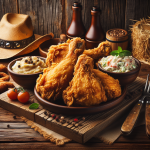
(56, 78)
(111, 85)
(102, 50)
(85, 89)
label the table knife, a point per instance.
(147, 117)
(131, 119)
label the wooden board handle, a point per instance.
(147, 118)
(131, 119)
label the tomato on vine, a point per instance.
(12, 94)
(19, 93)
(23, 96)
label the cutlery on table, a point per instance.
(147, 116)
(131, 119)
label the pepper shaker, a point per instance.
(76, 28)
(95, 34)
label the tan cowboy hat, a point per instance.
(17, 36)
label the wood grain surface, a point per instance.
(46, 15)
(5, 7)
(15, 134)
(92, 124)
(56, 15)
(19, 136)
(147, 117)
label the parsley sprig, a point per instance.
(120, 52)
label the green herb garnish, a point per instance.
(34, 106)
(120, 52)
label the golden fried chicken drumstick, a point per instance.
(57, 77)
(111, 85)
(102, 50)
(85, 89)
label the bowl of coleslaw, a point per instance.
(125, 69)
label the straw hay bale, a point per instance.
(141, 40)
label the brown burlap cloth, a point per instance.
(113, 131)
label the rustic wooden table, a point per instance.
(15, 134)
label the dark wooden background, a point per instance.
(55, 15)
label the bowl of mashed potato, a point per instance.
(125, 69)
(25, 70)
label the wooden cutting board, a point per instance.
(86, 127)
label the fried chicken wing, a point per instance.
(57, 53)
(85, 89)
(57, 77)
(102, 50)
(111, 85)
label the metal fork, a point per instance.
(131, 119)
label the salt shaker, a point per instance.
(76, 28)
(95, 34)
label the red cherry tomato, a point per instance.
(23, 97)
(12, 94)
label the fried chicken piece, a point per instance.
(111, 85)
(57, 77)
(57, 53)
(85, 89)
(102, 50)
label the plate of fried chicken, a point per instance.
(70, 84)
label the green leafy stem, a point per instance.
(121, 52)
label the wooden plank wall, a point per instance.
(55, 15)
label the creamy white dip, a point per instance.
(29, 65)
(118, 64)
